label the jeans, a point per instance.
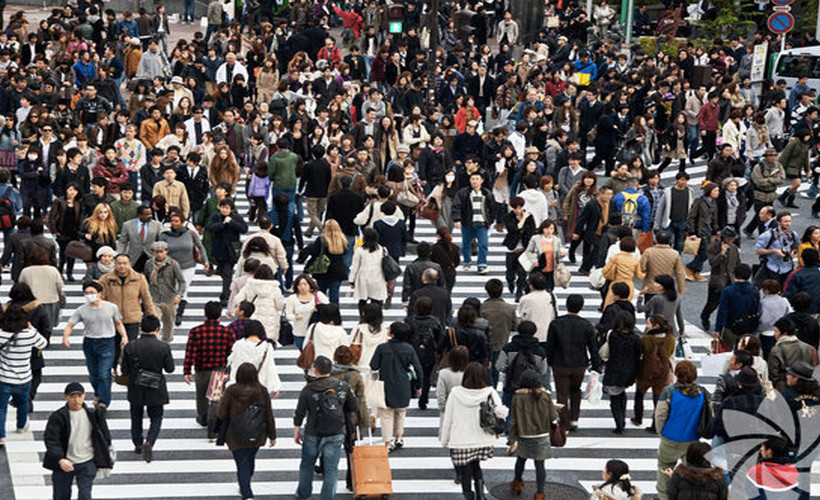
(291, 192)
(245, 459)
(676, 229)
(61, 481)
(20, 393)
(467, 235)
(189, 11)
(494, 375)
(331, 450)
(329, 288)
(99, 359)
(155, 414)
(696, 265)
(351, 245)
(694, 138)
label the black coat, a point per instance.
(343, 206)
(587, 224)
(422, 325)
(477, 339)
(516, 235)
(624, 359)
(390, 359)
(58, 430)
(571, 343)
(694, 483)
(336, 271)
(608, 133)
(462, 210)
(197, 186)
(226, 236)
(722, 208)
(64, 176)
(393, 237)
(442, 303)
(150, 354)
(412, 279)
(16, 252)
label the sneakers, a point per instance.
(391, 447)
(465, 267)
(23, 430)
(2, 442)
(399, 443)
(482, 270)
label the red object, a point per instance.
(352, 20)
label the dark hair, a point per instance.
(664, 238)
(329, 313)
(400, 330)
(494, 288)
(38, 256)
(466, 315)
(213, 309)
(743, 272)
(627, 244)
(343, 355)
(424, 250)
(305, 277)
(696, 455)
(264, 272)
(254, 328)
(620, 290)
(149, 323)
(575, 302)
(86, 284)
(801, 301)
(668, 284)
(661, 323)
(475, 377)
(251, 265)
(423, 306)
(778, 446)
(785, 325)
(36, 227)
(617, 469)
(624, 322)
(459, 357)
(372, 316)
(686, 372)
(247, 375)
(744, 357)
(538, 281)
(322, 365)
(388, 207)
(770, 287)
(751, 344)
(810, 257)
(370, 239)
(247, 308)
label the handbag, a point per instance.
(720, 346)
(691, 246)
(355, 348)
(705, 420)
(79, 250)
(561, 277)
(603, 351)
(490, 422)
(390, 268)
(374, 391)
(321, 263)
(645, 240)
(216, 385)
(285, 330)
(596, 278)
(431, 210)
(558, 433)
(308, 354)
(406, 197)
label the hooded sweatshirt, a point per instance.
(461, 428)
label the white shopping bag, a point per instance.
(593, 392)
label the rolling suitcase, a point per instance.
(371, 471)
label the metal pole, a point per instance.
(432, 25)
(630, 14)
(589, 12)
(817, 27)
(782, 42)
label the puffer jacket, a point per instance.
(696, 483)
(267, 298)
(509, 352)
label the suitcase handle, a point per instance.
(369, 434)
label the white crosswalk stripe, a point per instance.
(186, 465)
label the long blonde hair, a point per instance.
(334, 237)
(102, 230)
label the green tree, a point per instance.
(734, 17)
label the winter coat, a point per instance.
(115, 174)
(389, 360)
(261, 355)
(695, 483)
(423, 326)
(530, 416)
(234, 401)
(336, 271)
(366, 274)
(326, 338)
(624, 359)
(170, 281)
(571, 343)
(226, 235)
(795, 157)
(58, 431)
(267, 298)
(766, 178)
(461, 428)
(133, 298)
(369, 340)
(703, 218)
(150, 354)
(744, 399)
(508, 353)
(574, 203)
(353, 378)
(786, 352)
(623, 267)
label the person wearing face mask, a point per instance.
(101, 320)
(34, 183)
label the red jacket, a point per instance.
(333, 55)
(352, 20)
(708, 117)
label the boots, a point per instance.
(180, 312)
(469, 496)
(479, 490)
(792, 196)
(784, 197)
(539, 496)
(517, 487)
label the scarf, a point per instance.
(105, 268)
(689, 390)
(159, 265)
(731, 199)
(604, 218)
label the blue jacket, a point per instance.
(805, 279)
(86, 73)
(737, 299)
(644, 208)
(589, 68)
(129, 27)
(683, 414)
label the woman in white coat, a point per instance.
(252, 349)
(366, 274)
(300, 306)
(262, 290)
(327, 334)
(461, 430)
(543, 252)
(369, 334)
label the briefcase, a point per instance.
(371, 471)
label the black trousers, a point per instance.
(604, 154)
(224, 268)
(712, 301)
(155, 414)
(592, 251)
(755, 223)
(617, 404)
(639, 404)
(516, 276)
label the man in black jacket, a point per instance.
(471, 212)
(520, 227)
(591, 226)
(343, 206)
(144, 360)
(414, 271)
(77, 454)
(571, 348)
(431, 280)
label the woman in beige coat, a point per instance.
(624, 268)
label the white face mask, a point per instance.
(450, 178)
(32, 157)
(91, 298)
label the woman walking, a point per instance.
(301, 305)
(397, 364)
(621, 367)
(658, 347)
(369, 334)
(366, 276)
(262, 290)
(45, 282)
(665, 302)
(461, 429)
(696, 478)
(544, 252)
(238, 397)
(100, 229)
(531, 416)
(332, 243)
(623, 267)
(64, 221)
(574, 202)
(446, 255)
(344, 370)
(256, 351)
(327, 334)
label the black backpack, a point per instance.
(426, 347)
(523, 361)
(249, 427)
(330, 414)
(7, 217)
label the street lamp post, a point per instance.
(432, 26)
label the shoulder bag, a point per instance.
(562, 276)
(431, 210)
(390, 268)
(308, 354)
(285, 330)
(558, 433)
(444, 361)
(321, 263)
(355, 348)
(79, 250)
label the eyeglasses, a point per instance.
(46, 130)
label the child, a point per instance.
(617, 483)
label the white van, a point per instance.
(793, 63)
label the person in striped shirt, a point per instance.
(17, 340)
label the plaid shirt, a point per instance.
(208, 347)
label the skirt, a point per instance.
(533, 448)
(464, 456)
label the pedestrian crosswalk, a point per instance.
(186, 465)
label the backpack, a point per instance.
(249, 427)
(523, 361)
(629, 209)
(426, 348)
(656, 365)
(7, 217)
(279, 107)
(330, 415)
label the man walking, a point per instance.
(592, 226)
(777, 248)
(143, 361)
(137, 236)
(77, 441)
(102, 320)
(128, 290)
(167, 286)
(471, 212)
(207, 350)
(325, 431)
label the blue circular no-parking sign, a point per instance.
(780, 22)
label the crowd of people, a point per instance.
(128, 151)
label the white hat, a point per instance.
(177, 79)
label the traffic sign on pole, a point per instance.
(782, 3)
(780, 22)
